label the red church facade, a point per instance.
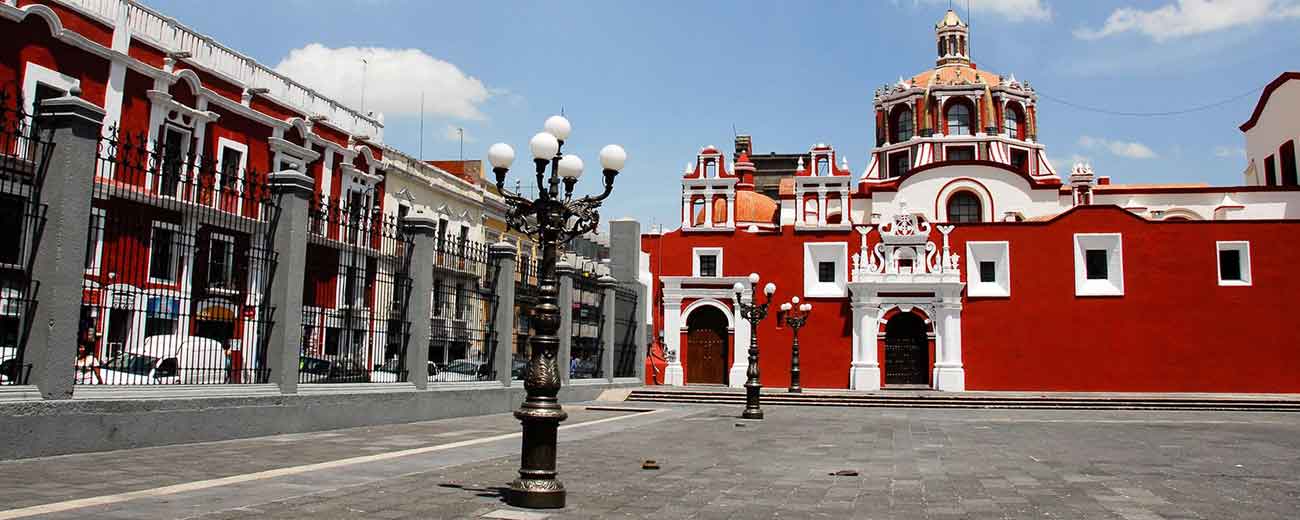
(191, 129)
(959, 260)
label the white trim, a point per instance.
(240, 188)
(230, 242)
(97, 263)
(998, 252)
(964, 184)
(161, 151)
(1242, 248)
(34, 74)
(817, 252)
(1112, 243)
(175, 266)
(707, 302)
(697, 252)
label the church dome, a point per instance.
(751, 208)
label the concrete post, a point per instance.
(625, 266)
(609, 315)
(565, 272)
(292, 191)
(502, 255)
(421, 228)
(52, 346)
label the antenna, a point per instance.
(364, 63)
(461, 131)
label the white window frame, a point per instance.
(97, 261)
(160, 148)
(34, 74)
(998, 252)
(1113, 244)
(222, 145)
(175, 265)
(697, 252)
(230, 242)
(817, 252)
(1242, 248)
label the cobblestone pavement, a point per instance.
(910, 463)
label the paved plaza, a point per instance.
(893, 463)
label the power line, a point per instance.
(1165, 113)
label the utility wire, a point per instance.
(1166, 113)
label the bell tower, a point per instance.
(952, 35)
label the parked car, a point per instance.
(162, 360)
(462, 370)
(391, 372)
(583, 369)
(320, 370)
(312, 369)
(517, 368)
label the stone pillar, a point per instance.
(708, 208)
(292, 191)
(864, 371)
(565, 273)
(625, 250)
(731, 209)
(673, 373)
(739, 344)
(948, 372)
(503, 256)
(821, 207)
(74, 126)
(844, 207)
(609, 314)
(686, 210)
(421, 228)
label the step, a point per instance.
(975, 401)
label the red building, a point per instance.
(181, 206)
(959, 260)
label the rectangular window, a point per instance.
(708, 265)
(960, 153)
(899, 162)
(162, 253)
(1096, 264)
(1270, 172)
(460, 301)
(1020, 160)
(1229, 265)
(161, 316)
(988, 271)
(438, 309)
(232, 161)
(826, 272)
(1234, 263)
(221, 262)
(175, 146)
(11, 221)
(1286, 155)
(95, 241)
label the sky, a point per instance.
(666, 78)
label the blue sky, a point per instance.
(665, 78)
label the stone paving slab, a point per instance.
(923, 463)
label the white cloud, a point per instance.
(1131, 150)
(1011, 10)
(453, 133)
(1191, 17)
(394, 80)
(1076, 159)
(1230, 151)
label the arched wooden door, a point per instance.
(907, 352)
(706, 347)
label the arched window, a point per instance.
(823, 167)
(710, 169)
(959, 122)
(810, 210)
(901, 125)
(964, 207)
(1011, 122)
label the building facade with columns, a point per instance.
(960, 259)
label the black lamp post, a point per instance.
(754, 313)
(795, 315)
(552, 218)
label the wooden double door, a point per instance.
(706, 347)
(907, 351)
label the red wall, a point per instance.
(1174, 330)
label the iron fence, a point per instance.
(462, 344)
(526, 295)
(626, 329)
(24, 160)
(586, 352)
(355, 293)
(177, 264)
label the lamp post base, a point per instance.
(756, 415)
(796, 390)
(536, 494)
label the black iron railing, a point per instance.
(586, 351)
(626, 329)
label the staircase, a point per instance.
(987, 400)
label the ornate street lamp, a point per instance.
(754, 313)
(551, 219)
(795, 316)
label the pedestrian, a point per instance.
(228, 362)
(87, 366)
